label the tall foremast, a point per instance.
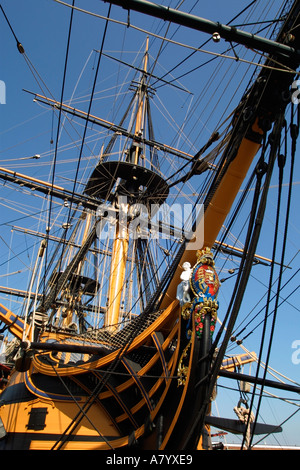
(121, 240)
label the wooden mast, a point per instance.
(121, 242)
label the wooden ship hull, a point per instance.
(148, 385)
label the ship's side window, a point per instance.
(37, 419)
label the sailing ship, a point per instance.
(119, 342)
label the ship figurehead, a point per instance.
(200, 297)
(197, 294)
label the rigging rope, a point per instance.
(254, 229)
(80, 415)
(81, 408)
(293, 414)
(57, 139)
(244, 328)
(84, 133)
(294, 134)
(246, 417)
(286, 69)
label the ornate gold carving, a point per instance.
(202, 309)
(186, 310)
(205, 256)
(182, 369)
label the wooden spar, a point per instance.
(33, 180)
(48, 188)
(229, 33)
(24, 294)
(271, 102)
(14, 323)
(259, 381)
(141, 106)
(217, 209)
(65, 347)
(111, 126)
(239, 252)
(222, 200)
(231, 249)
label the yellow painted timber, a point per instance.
(15, 324)
(170, 314)
(218, 209)
(117, 277)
